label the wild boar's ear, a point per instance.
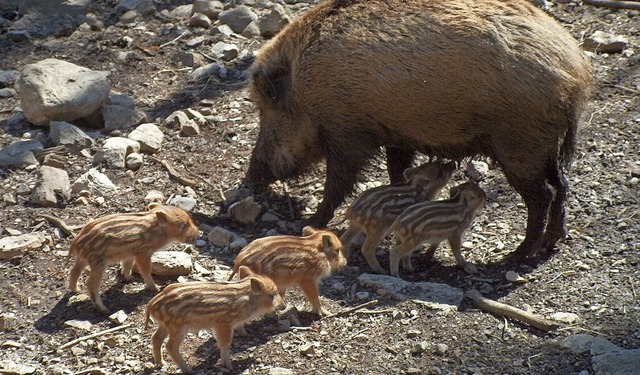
(257, 287)
(153, 205)
(273, 85)
(244, 271)
(307, 231)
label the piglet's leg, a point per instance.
(400, 251)
(157, 339)
(224, 336)
(93, 285)
(144, 266)
(176, 336)
(75, 274)
(455, 241)
(310, 289)
(374, 237)
(127, 267)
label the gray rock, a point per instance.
(7, 92)
(275, 21)
(602, 42)
(122, 100)
(245, 211)
(199, 20)
(65, 134)
(568, 318)
(176, 120)
(182, 12)
(437, 296)
(269, 217)
(8, 78)
(224, 51)
(238, 243)
(150, 137)
(154, 196)
(195, 42)
(190, 128)
(134, 161)
(222, 30)
(477, 170)
(53, 89)
(220, 236)
(237, 18)
(52, 187)
(210, 8)
(186, 203)
(7, 320)
(120, 117)
(10, 367)
(20, 154)
(17, 246)
(115, 150)
(128, 17)
(606, 357)
(251, 31)
(18, 36)
(171, 263)
(96, 182)
(203, 73)
(144, 7)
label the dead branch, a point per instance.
(94, 335)
(510, 312)
(615, 4)
(351, 310)
(68, 230)
(95, 370)
(172, 172)
(173, 40)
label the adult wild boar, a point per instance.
(451, 79)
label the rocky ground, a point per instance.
(151, 51)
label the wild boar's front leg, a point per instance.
(342, 175)
(398, 159)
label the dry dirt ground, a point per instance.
(594, 273)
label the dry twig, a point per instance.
(351, 310)
(94, 335)
(615, 4)
(510, 312)
(172, 172)
(173, 40)
(68, 230)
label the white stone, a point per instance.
(150, 137)
(14, 246)
(95, 182)
(114, 151)
(53, 89)
(52, 184)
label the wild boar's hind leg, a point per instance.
(176, 336)
(157, 339)
(537, 197)
(398, 159)
(556, 226)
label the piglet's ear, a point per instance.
(257, 287)
(327, 242)
(153, 205)
(408, 173)
(244, 271)
(307, 231)
(162, 217)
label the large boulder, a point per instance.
(55, 90)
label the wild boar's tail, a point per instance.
(568, 146)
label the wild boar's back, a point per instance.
(449, 78)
